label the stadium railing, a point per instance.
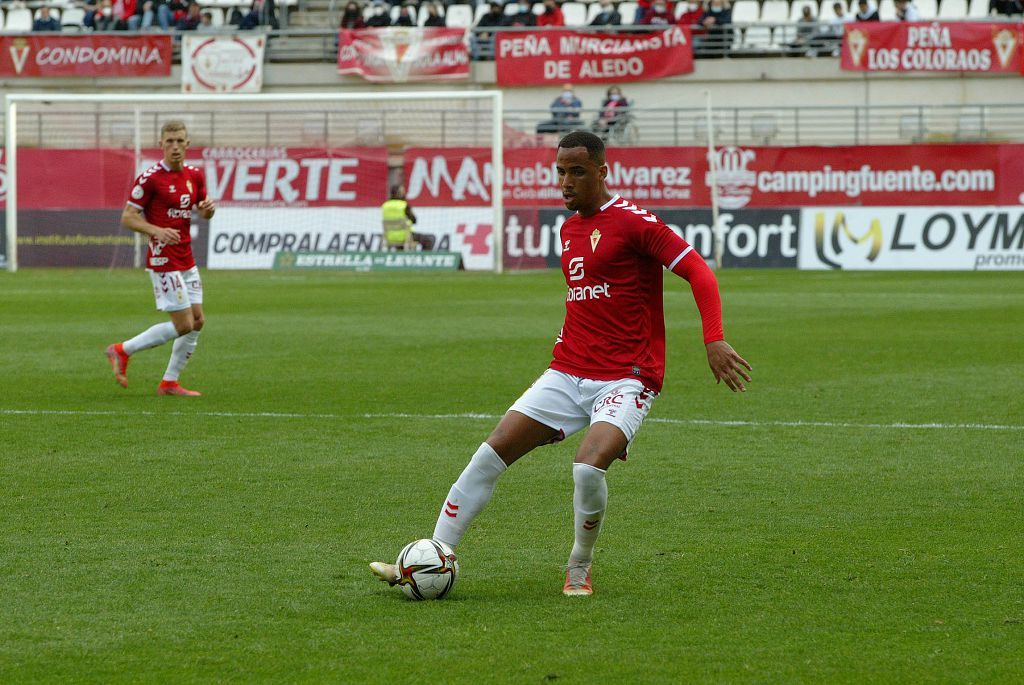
(652, 126)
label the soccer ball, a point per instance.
(427, 569)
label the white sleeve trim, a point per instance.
(680, 257)
(136, 206)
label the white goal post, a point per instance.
(386, 122)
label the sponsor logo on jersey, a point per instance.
(576, 269)
(581, 293)
(179, 213)
(158, 261)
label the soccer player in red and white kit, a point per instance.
(609, 358)
(160, 206)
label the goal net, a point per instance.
(290, 173)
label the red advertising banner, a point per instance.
(922, 46)
(265, 177)
(90, 55)
(539, 57)
(756, 177)
(398, 55)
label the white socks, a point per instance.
(469, 495)
(151, 337)
(183, 349)
(589, 500)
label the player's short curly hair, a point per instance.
(594, 144)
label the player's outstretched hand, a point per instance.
(167, 236)
(206, 208)
(728, 366)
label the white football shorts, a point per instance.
(176, 290)
(569, 403)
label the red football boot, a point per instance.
(174, 388)
(119, 362)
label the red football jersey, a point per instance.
(614, 316)
(166, 198)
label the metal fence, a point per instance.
(450, 124)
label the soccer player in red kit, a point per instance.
(609, 358)
(160, 207)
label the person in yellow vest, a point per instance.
(398, 220)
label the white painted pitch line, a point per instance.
(898, 425)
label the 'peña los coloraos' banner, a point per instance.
(934, 46)
(539, 57)
(399, 55)
(89, 55)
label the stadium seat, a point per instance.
(538, 8)
(775, 11)
(575, 13)
(887, 10)
(459, 17)
(18, 19)
(927, 8)
(953, 9)
(481, 9)
(73, 17)
(593, 9)
(628, 12)
(1, 20)
(216, 15)
(978, 10)
(744, 11)
(797, 7)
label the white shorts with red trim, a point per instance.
(569, 403)
(176, 290)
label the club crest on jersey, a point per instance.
(188, 184)
(595, 237)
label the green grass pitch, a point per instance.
(855, 517)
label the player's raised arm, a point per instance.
(132, 218)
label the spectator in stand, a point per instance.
(608, 16)
(524, 16)
(717, 21)
(643, 7)
(148, 12)
(380, 17)
(614, 111)
(905, 11)
(206, 23)
(659, 15)
(830, 35)
(192, 19)
(691, 17)
(552, 15)
(483, 41)
(261, 13)
(866, 12)
(352, 17)
(44, 22)
(105, 19)
(1007, 7)
(406, 15)
(434, 16)
(92, 8)
(806, 28)
(565, 113)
